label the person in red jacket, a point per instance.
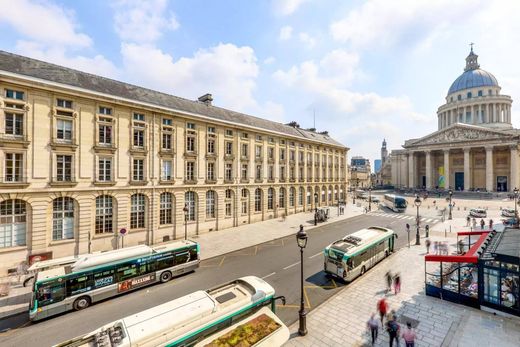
(382, 308)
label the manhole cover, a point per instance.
(405, 319)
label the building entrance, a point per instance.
(501, 183)
(423, 181)
(459, 180)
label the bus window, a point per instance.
(51, 292)
(103, 278)
(165, 262)
(182, 257)
(126, 271)
(193, 253)
(350, 264)
(79, 284)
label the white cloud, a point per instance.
(143, 21)
(287, 7)
(285, 33)
(269, 60)
(226, 71)
(98, 64)
(306, 39)
(44, 22)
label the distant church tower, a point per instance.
(384, 152)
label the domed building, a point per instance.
(475, 146)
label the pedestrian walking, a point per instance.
(397, 283)
(436, 247)
(490, 224)
(467, 221)
(461, 246)
(474, 222)
(382, 308)
(388, 281)
(392, 327)
(482, 224)
(428, 244)
(373, 326)
(409, 335)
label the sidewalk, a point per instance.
(213, 244)
(341, 321)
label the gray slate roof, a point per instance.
(58, 74)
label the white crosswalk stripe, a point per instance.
(403, 217)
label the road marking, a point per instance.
(428, 220)
(287, 267)
(312, 256)
(272, 273)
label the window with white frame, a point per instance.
(166, 141)
(165, 208)
(228, 148)
(270, 198)
(190, 143)
(244, 171)
(228, 209)
(258, 200)
(229, 202)
(64, 103)
(105, 169)
(105, 131)
(14, 124)
(281, 198)
(282, 172)
(63, 168)
(229, 132)
(139, 135)
(228, 172)
(137, 211)
(211, 171)
(14, 94)
(190, 199)
(104, 214)
(270, 172)
(291, 172)
(107, 111)
(166, 170)
(138, 170)
(292, 155)
(190, 170)
(62, 218)
(245, 150)
(13, 167)
(291, 196)
(13, 219)
(300, 196)
(245, 193)
(244, 207)
(210, 204)
(258, 151)
(258, 173)
(211, 145)
(64, 130)
(270, 153)
(229, 193)
(282, 154)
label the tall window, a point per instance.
(229, 148)
(166, 172)
(281, 198)
(63, 218)
(165, 209)
(282, 154)
(190, 199)
(104, 214)
(244, 171)
(270, 153)
(138, 136)
(270, 172)
(105, 131)
(63, 168)
(14, 124)
(300, 196)
(245, 150)
(211, 171)
(258, 151)
(282, 172)
(138, 170)
(13, 217)
(190, 170)
(105, 169)
(258, 174)
(291, 196)
(323, 196)
(229, 202)
(137, 211)
(228, 173)
(210, 204)
(245, 195)
(13, 167)
(258, 200)
(166, 141)
(270, 198)
(64, 129)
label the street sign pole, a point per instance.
(122, 232)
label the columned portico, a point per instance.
(514, 167)
(411, 170)
(467, 175)
(490, 185)
(447, 169)
(428, 170)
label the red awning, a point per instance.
(469, 257)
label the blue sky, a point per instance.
(368, 69)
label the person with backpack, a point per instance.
(409, 335)
(392, 327)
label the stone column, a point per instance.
(446, 169)
(467, 172)
(514, 167)
(411, 170)
(490, 186)
(428, 170)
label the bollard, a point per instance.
(445, 233)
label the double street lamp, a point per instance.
(450, 193)
(315, 208)
(417, 203)
(301, 239)
(185, 209)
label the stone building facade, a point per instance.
(475, 146)
(83, 157)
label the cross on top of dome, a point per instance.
(471, 60)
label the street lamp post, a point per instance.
(185, 209)
(315, 208)
(369, 199)
(417, 203)
(450, 193)
(515, 192)
(301, 239)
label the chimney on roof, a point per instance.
(293, 124)
(206, 98)
(326, 133)
(312, 129)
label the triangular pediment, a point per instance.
(459, 133)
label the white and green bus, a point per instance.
(354, 254)
(198, 319)
(98, 276)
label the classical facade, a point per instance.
(475, 146)
(360, 173)
(85, 159)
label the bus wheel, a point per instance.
(166, 276)
(82, 303)
(362, 271)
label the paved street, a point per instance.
(276, 261)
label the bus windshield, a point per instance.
(400, 203)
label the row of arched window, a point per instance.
(13, 212)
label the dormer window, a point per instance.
(14, 94)
(139, 117)
(459, 97)
(107, 111)
(480, 93)
(64, 103)
(469, 95)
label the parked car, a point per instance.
(478, 213)
(508, 212)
